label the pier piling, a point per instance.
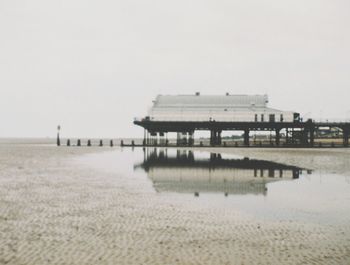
(277, 137)
(346, 137)
(246, 137)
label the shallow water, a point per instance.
(259, 188)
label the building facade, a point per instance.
(220, 108)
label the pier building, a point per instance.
(226, 108)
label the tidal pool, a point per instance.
(261, 188)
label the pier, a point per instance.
(296, 134)
(187, 114)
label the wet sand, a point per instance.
(58, 207)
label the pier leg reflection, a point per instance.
(181, 171)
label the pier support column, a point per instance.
(190, 138)
(161, 138)
(181, 138)
(147, 137)
(212, 137)
(292, 138)
(184, 138)
(246, 137)
(153, 138)
(309, 133)
(278, 137)
(215, 137)
(346, 136)
(312, 137)
(219, 140)
(178, 138)
(305, 137)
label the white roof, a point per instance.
(211, 101)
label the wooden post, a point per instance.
(58, 142)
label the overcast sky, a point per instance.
(92, 66)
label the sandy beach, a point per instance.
(67, 206)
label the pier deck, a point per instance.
(296, 133)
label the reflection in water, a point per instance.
(183, 173)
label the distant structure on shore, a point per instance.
(185, 114)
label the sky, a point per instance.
(92, 66)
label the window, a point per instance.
(256, 118)
(262, 117)
(281, 118)
(296, 117)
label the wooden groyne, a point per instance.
(88, 143)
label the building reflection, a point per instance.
(181, 172)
